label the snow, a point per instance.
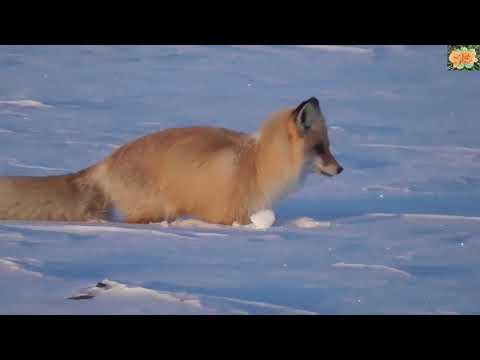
(351, 50)
(25, 103)
(306, 222)
(108, 292)
(398, 232)
(374, 267)
(10, 265)
(263, 219)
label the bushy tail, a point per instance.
(71, 197)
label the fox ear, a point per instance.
(305, 113)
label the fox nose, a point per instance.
(339, 170)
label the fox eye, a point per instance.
(319, 148)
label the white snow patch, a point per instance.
(373, 267)
(25, 104)
(277, 308)
(440, 217)
(11, 237)
(427, 216)
(10, 265)
(340, 49)
(208, 234)
(393, 146)
(13, 162)
(81, 229)
(263, 219)
(13, 113)
(423, 148)
(406, 256)
(308, 223)
(116, 291)
(337, 128)
(108, 288)
(386, 215)
(385, 188)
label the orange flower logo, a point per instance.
(463, 58)
(456, 58)
(469, 57)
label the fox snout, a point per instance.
(327, 165)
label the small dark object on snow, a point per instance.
(81, 297)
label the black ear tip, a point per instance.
(313, 100)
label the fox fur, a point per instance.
(212, 174)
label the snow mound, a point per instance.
(10, 265)
(309, 223)
(111, 288)
(25, 104)
(263, 219)
(112, 293)
(373, 267)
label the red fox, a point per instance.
(211, 174)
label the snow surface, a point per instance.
(398, 232)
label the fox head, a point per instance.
(311, 128)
